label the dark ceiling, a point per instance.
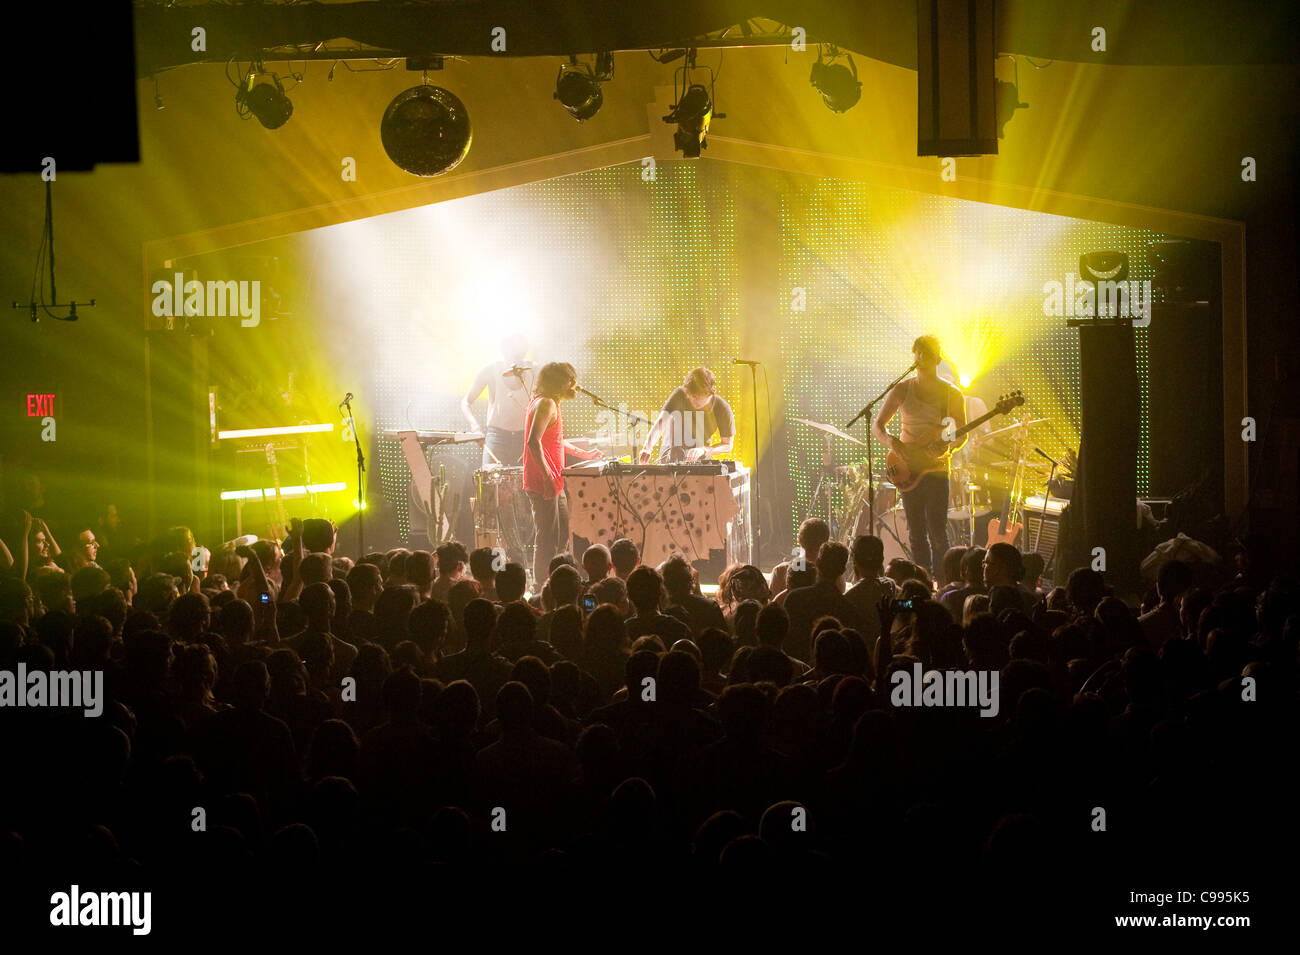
(1139, 32)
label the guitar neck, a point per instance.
(275, 481)
(972, 425)
(969, 426)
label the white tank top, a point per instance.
(922, 421)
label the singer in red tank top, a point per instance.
(544, 451)
(542, 474)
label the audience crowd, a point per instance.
(413, 711)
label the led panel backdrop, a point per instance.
(635, 281)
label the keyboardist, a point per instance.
(509, 383)
(690, 418)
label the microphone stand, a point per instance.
(871, 470)
(361, 470)
(755, 550)
(1042, 518)
(630, 415)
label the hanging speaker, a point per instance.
(956, 113)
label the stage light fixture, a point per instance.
(838, 84)
(1103, 267)
(274, 432)
(577, 86)
(426, 131)
(693, 111)
(296, 490)
(692, 114)
(262, 95)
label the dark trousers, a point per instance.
(926, 508)
(551, 519)
(506, 446)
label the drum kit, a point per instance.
(981, 475)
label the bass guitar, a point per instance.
(917, 460)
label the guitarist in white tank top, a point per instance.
(925, 401)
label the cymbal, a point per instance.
(1010, 427)
(829, 429)
(1027, 465)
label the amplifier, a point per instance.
(1047, 538)
(1046, 541)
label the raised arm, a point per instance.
(264, 618)
(22, 559)
(293, 586)
(39, 525)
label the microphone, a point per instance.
(346, 399)
(582, 390)
(518, 370)
(744, 361)
(1044, 454)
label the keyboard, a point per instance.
(620, 468)
(434, 437)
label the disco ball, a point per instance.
(426, 130)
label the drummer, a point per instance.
(975, 407)
(509, 383)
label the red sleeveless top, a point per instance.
(537, 474)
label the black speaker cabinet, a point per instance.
(956, 112)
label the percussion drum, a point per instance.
(502, 515)
(857, 515)
(891, 528)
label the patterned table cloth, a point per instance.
(662, 514)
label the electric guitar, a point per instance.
(1000, 532)
(917, 460)
(278, 530)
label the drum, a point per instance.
(959, 527)
(891, 528)
(857, 515)
(502, 515)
